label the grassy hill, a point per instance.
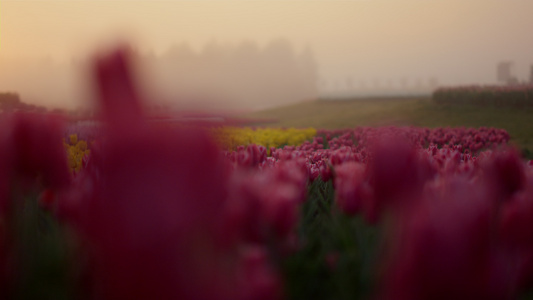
(331, 114)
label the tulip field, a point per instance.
(126, 210)
(514, 95)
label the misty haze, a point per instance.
(259, 54)
(266, 149)
(241, 77)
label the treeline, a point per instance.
(494, 95)
(10, 102)
(245, 73)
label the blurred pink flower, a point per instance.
(314, 172)
(119, 99)
(264, 204)
(505, 172)
(445, 247)
(153, 209)
(516, 233)
(259, 278)
(349, 184)
(31, 158)
(46, 199)
(34, 152)
(397, 175)
(5, 274)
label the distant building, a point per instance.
(504, 73)
(504, 70)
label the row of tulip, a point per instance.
(334, 146)
(346, 156)
(431, 222)
(164, 213)
(232, 137)
(519, 95)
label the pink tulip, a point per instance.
(397, 174)
(152, 211)
(36, 151)
(505, 172)
(516, 232)
(349, 187)
(31, 158)
(259, 279)
(445, 248)
(264, 204)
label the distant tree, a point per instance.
(41, 109)
(247, 51)
(242, 73)
(307, 75)
(182, 51)
(9, 102)
(213, 52)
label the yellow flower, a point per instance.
(71, 162)
(232, 137)
(73, 139)
(82, 145)
(76, 151)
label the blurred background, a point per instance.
(246, 56)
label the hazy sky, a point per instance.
(456, 41)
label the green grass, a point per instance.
(332, 114)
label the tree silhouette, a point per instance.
(9, 102)
(243, 74)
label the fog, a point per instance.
(243, 76)
(255, 54)
(222, 77)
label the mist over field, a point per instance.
(239, 77)
(249, 55)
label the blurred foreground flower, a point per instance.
(466, 237)
(153, 214)
(31, 158)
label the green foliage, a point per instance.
(526, 153)
(41, 252)
(338, 252)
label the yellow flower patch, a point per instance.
(232, 137)
(76, 151)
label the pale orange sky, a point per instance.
(456, 41)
